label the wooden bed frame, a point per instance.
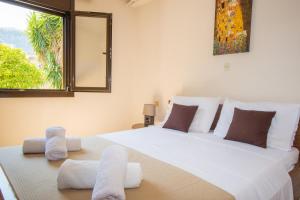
(295, 174)
(297, 138)
(1, 196)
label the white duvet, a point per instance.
(247, 172)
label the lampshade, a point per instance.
(149, 110)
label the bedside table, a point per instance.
(138, 125)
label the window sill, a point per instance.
(35, 93)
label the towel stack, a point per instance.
(108, 177)
(55, 145)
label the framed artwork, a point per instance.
(232, 26)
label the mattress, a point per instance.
(245, 171)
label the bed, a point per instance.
(243, 170)
(175, 166)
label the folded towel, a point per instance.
(56, 148)
(81, 174)
(37, 145)
(111, 174)
(55, 131)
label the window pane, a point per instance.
(91, 51)
(31, 49)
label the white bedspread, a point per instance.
(247, 172)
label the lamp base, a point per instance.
(148, 120)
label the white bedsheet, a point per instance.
(287, 158)
(247, 172)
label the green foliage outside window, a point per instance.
(16, 71)
(45, 33)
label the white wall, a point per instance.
(145, 80)
(87, 113)
(187, 66)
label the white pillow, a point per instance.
(203, 119)
(283, 127)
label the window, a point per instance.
(92, 55)
(46, 50)
(32, 49)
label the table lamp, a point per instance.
(149, 113)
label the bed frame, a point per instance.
(297, 138)
(295, 174)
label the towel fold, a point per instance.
(111, 174)
(37, 145)
(55, 131)
(81, 174)
(56, 148)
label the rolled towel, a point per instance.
(56, 148)
(111, 174)
(34, 145)
(73, 143)
(134, 175)
(37, 145)
(55, 131)
(81, 174)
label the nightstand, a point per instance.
(138, 125)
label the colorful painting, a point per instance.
(232, 26)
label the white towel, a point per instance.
(34, 145)
(111, 174)
(134, 175)
(37, 145)
(55, 131)
(81, 174)
(73, 143)
(56, 148)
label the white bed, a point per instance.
(245, 171)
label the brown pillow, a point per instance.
(250, 127)
(217, 117)
(181, 117)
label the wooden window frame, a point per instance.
(108, 17)
(66, 92)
